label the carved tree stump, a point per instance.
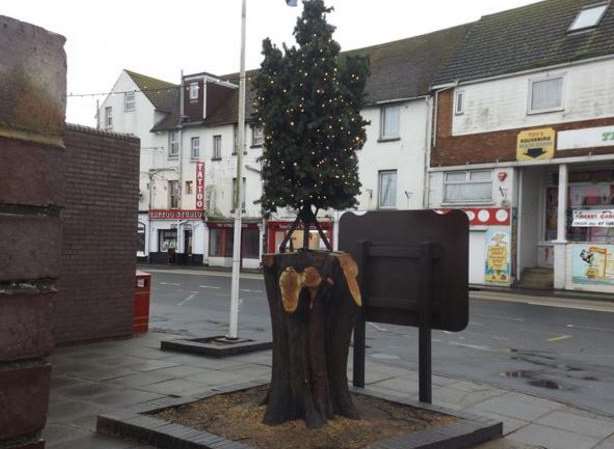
(313, 299)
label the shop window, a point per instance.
(387, 197)
(250, 243)
(546, 95)
(472, 186)
(588, 191)
(167, 240)
(220, 242)
(140, 238)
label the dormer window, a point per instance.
(588, 17)
(194, 91)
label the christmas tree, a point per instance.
(308, 101)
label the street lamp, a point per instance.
(233, 332)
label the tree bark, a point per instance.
(313, 300)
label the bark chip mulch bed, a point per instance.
(238, 417)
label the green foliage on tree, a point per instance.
(308, 101)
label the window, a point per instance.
(167, 240)
(257, 136)
(194, 88)
(140, 239)
(217, 148)
(173, 194)
(195, 147)
(387, 197)
(468, 186)
(189, 189)
(589, 17)
(250, 243)
(220, 242)
(108, 118)
(129, 102)
(173, 144)
(234, 193)
(546, 95)
(391, 122)
(459, 105)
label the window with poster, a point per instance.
(167, 240)
(590, 194)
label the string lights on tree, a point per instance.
(308, 100)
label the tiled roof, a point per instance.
(526, 38)
(400, 69)
(163, 95)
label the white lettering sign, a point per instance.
(586, 138)
(599, 218)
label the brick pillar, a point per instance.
(32, 109)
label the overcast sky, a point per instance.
(160, 38)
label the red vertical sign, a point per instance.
(200, 185)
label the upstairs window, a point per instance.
(473, 186)
(195, 147)
(588, 17)
(194, 88)
(459, 104)
(129, 102)
(257, 136)
(390, 122)
(217, 148)
(108, 118)
(173, 194)
(387, 197)
(173, 144)
(234, 193)
(546, 95)
(189, 187)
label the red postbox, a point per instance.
(142, 293)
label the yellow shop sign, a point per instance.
(536, 144)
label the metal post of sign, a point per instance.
(360, 327)
(425, 370)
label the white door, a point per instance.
(477, 256)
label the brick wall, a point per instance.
(493, 146)
(32, 106)
(96, 286)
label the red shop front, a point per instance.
(276, 231)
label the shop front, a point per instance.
(176, 237)
(221, 239)
(586, 242)
(276, 232)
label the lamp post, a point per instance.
(233, 332)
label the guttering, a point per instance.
(396, 100)
(209, 78)
(529, 71)
(547, 162)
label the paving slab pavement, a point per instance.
(97, 378)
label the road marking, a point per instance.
(246, 290)
(465, 345)
(561, 338)
(210, 286)
(379, 328)
(188, 299)
(170, 283)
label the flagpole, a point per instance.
(236, 247)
